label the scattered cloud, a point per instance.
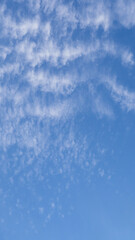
(125, 12)
(53, 55)
(121, 94)
(47, 59)
(95, 14)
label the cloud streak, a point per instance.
(49, 56)
(121, 94)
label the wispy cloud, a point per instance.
(52, 91)
(46, 59)
(95, 14)
(60, 83)
(125, 12)
(121, 94)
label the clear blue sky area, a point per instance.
(67, 120)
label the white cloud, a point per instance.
(44, 45)
(9, 68)
(125, 12)
(121, 94)
(34, 5)
(63, 84)
(17, 30)
(125, 55)
(102, 108)
(58, 110)
(35, 41)
(49, 6)
(96, 14)
(101, 172)
(99, 105)
(5, 51)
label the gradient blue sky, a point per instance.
(67, 120)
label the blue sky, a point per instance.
(67, 113)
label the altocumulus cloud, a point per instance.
(51, 56)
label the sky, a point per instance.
(67, 114)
